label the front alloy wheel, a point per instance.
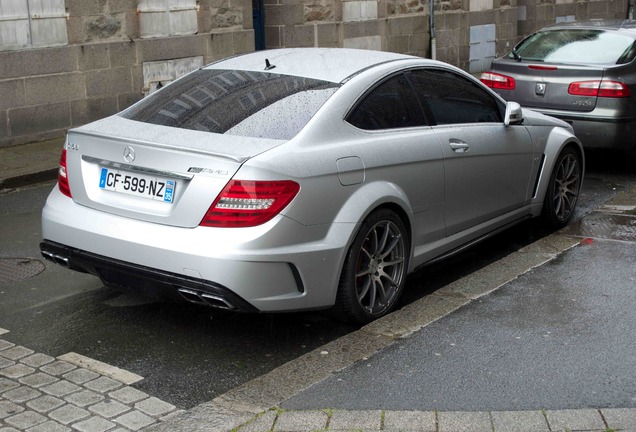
(563, 189)
(375, 269)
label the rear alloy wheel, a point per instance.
(375, 269)
(563, 189)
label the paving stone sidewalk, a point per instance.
(427, 421)
(39, 393)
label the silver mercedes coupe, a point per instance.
(301, 179)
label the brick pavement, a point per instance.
(590, 420)
(40, 393)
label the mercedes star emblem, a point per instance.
(129, 154)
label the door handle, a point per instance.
(458, 146)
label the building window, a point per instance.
(480, 5)
(483, 46)
(359, 10)
(565, 18)
(167, 17)
(32, 24)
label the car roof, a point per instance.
(629, 25)
(327, 64)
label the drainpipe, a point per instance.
(432, 26)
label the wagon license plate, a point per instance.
(141, 185)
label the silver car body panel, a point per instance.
(187, 208)
(230, 147)
(246, 260)
(447, 198)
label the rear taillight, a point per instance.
(245, 203)
(599, 88)
(62, 177)
(498, 81)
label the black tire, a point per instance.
(563, 189)
(375, 269)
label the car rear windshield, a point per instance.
(253, 104)
(576, 46)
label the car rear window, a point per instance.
(590, 46)
(254, 104)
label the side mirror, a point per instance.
(514, 115)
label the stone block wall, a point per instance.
(403, 25)
(46, 91)
(321, 24)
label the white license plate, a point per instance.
(141, 185)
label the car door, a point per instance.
(400, 148)
(487, 164)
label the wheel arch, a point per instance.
(557, 142)
(369, 198)
(564, 182)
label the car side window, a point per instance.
(450, 98)
(390, 105)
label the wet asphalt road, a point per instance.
(188, 354)
(561, 336)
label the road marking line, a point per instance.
(3, 331)
(105, 369)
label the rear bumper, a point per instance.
(598, 132)
(145, 280)
(278, 266)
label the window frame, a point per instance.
(424, 107)
(498, 104)
(148, 28)
(31, 15)
(373, 88)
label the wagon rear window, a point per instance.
(254, 104)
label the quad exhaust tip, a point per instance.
(190, 295)
(57, 259)
(206, 299)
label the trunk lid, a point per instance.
(544, 85)
(153, 173)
